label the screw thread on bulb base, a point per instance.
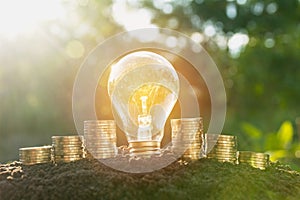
(144, 148)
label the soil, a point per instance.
(201, 179)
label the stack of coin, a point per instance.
(187, 137)
(35, 155)
(144, 148)
(100, 138)
(67, 148)
(221, 147)
(257, 160)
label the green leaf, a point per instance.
(276, 155)
(251, 130)
(285, 134)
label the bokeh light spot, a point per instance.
(231, 11)
(197, 37)
(75, 49)
(269, 43)
(271, 8)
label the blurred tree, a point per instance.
(256, 46)
(38, 69)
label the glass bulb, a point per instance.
(143, 87)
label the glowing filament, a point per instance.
(144, 120)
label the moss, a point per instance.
(202, 179)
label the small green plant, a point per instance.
(280, 145)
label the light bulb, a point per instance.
(143, 87)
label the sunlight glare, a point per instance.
(237, 42)
(131, 18)
(20, 17)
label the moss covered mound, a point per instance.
(203, 179)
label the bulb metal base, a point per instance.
(144, 148)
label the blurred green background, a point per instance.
(255, 44)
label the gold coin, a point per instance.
(260, 164)
(146, 153)
(138, 144)
(260, 155)
(67, 142)
(102, 150)
(253, 161)
(104, 145)
(35, 156)
(34, 153)
(223, 159)
(34, 163)
(186, 119)
(143, 149)
(224, 146)
(256, 164)
(67, 155)
(68, 151)
(253, 155)
(221, 155)
(223, 151)
(101, 147)
(34, 159)
(232, 142)
(103, 153)
(67, 138)
(253, 158)
(66, 160)
(246, 153)
(60, 151)
(216, 147)
(96, 154)
(220, 137)
(67, 147)
(41, 148)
